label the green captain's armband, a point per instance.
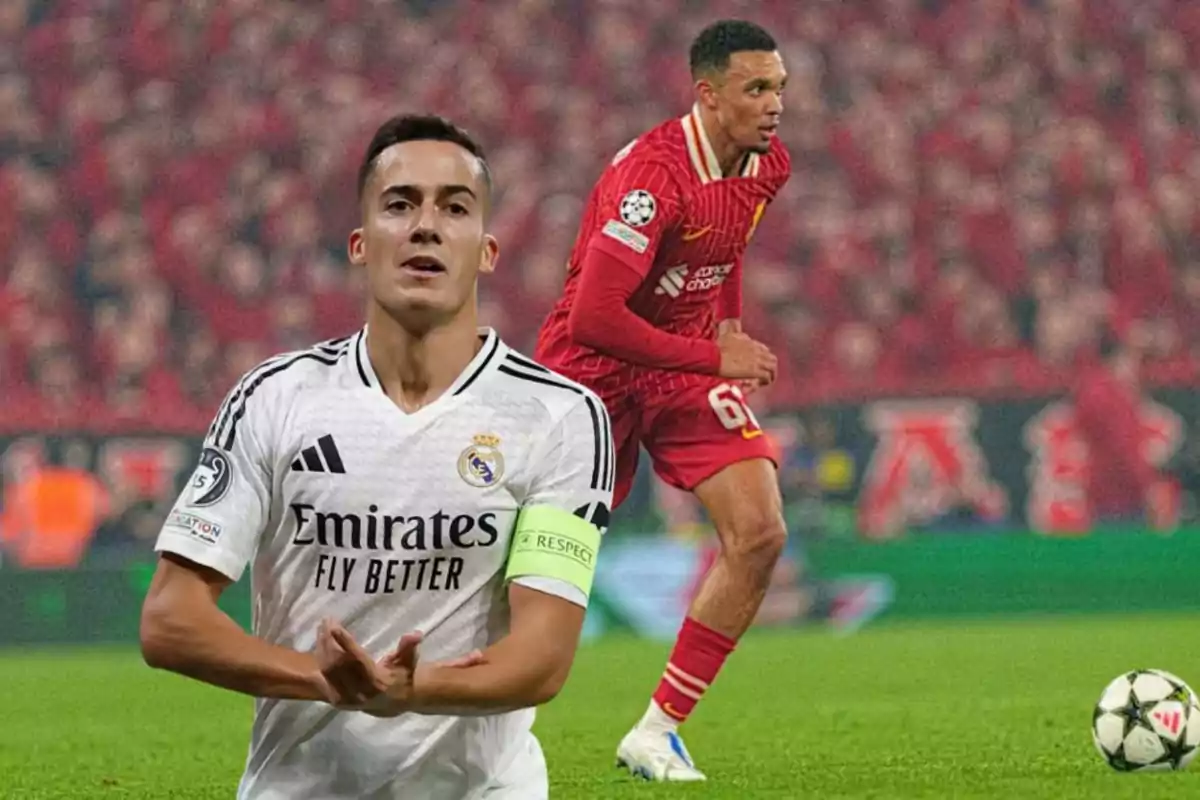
(552, 543)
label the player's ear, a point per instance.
(706, 92)
(356, 248)
(491, 252)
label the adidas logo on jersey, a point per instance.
(310, 458)
(671, 284)
(678, 280)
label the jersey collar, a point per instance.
(485, 361)
(701, 155)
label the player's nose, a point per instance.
(425, 229)
(425, 233)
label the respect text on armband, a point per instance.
(353, 545)
(560, 545)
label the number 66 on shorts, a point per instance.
(729, 403)
(691, 433)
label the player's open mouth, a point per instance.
(768, 130)
(424, 265)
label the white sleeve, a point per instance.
(223, 509)
(574, 470)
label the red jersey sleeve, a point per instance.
(602, 320)
(635, 207)
(637, 204)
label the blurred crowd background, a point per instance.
(985, 191)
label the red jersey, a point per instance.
(663, 208)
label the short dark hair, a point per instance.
(419, 128)
(713, 46)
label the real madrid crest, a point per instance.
(481, 464)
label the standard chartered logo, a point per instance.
(677, 280)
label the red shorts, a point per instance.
(691, 432)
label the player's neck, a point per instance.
(415, 368)
(729, 155)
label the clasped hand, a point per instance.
(353, 681)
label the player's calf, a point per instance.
(752, 539)
(744, 504)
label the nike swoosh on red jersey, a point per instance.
(693, 234)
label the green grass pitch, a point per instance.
(948, 710)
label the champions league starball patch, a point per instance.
(638, 208)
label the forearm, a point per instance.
(601, 319)
(620, 333)
(510, 677)
(207, 645)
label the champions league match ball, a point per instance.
(1147, 720)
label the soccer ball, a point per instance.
(1147, 720)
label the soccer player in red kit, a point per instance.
(649, 319)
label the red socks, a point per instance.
(697, 658)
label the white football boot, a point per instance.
(656, 755)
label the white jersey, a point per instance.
(390, 522)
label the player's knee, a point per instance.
(756, 541)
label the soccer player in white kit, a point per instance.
(417, 484)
